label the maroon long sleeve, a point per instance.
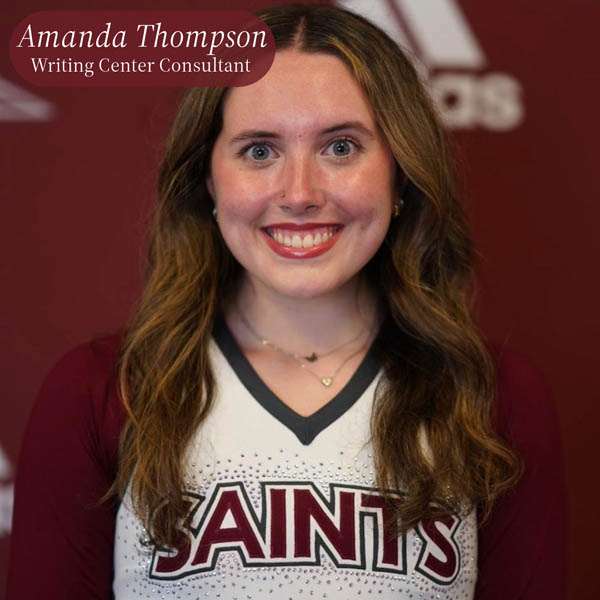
(62, 542)
(522, 548)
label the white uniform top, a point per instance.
(284, 506)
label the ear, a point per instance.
(210, 186)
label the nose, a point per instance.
(300, 191)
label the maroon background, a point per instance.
(75, 193)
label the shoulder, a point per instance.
(87, 364)
(79, 396)
(524, 412)
(87, 371)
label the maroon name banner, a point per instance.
(126, 48)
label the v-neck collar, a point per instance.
(306, 429)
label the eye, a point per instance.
(257, 151)
(343, 148)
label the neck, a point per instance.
(303, 325)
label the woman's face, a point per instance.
(303, 181)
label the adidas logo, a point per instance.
(447, 54)
(17, 104)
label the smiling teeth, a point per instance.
(301, 240)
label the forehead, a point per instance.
(300, 90)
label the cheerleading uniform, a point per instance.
(281, 505)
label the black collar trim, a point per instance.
(306, 429)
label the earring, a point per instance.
(397, 206)
(214, 213)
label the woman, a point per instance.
(307, 403)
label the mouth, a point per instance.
(301, 241)
(294, 238)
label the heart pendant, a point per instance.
(326, 381)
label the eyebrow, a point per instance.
(259, 133)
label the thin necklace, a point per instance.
(327, 381)
(312, 357)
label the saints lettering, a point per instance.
(297, 522)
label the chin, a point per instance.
(303, 289)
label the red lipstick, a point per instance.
(291, 252)
(301, 226)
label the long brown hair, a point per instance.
(431, 428)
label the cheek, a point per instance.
(239, 218)
(369, 207)
(239, 200)
(368, 195)
(241, 208)
(237, 196)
